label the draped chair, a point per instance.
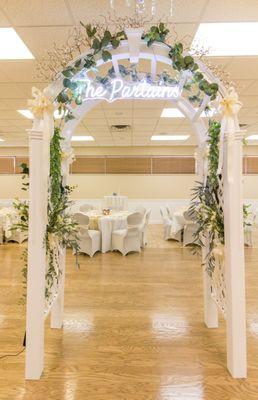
(17, 236)
(169, 212)
(129, 239)
(248, 230)
(89, 240)
(190, 228)
(140, 209)
(168, 226)
(85, 207)
(145, 228)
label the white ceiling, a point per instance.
(41, 23)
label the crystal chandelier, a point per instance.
(141, 7)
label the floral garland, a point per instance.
(206, 207)
(61, 231)
(205, 203)
(100, 45)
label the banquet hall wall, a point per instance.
(95, 186)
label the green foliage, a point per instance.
(61, 230)
(213, 142)
(156, 34)
(55, 169)
(205, 204)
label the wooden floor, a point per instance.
(133, 330)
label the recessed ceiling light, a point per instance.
(82, 138)
(175, 113)
(252, 137)
(228, 38)
(170, 137)
(28, 114)
(12, 47)
(171, 113)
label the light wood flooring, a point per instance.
(133, 330)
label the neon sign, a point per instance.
(119, 89)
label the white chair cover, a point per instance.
(86, 207)
(190, 228)
(127, 240)
(89, 240)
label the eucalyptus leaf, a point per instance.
(106, 55)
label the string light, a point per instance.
(171, 8)
(153, 7)
(140, 7)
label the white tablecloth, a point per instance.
(116, 202)
(107, 224)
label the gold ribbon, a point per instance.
(68, 156)
(43, 109)
(229, 107)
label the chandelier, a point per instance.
(141, 7)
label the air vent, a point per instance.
(121, 128)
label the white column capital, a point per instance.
(238, 135)
(35, 134)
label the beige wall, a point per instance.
(140, 150)
(134, 186)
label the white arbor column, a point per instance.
(36, 257)
(234, 259)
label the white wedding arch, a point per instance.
(135, 49)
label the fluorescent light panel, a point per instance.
(175, 113)
(12, 47)
(82, 138)
(170, 137)
(28, 114)
(252, 137)
(228, 38)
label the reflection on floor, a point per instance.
(133, 330)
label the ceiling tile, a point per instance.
(40, 39)
(125, 104)
(243, 68)
(141, 104)
(19, 71)
(228, 11)
(33, 13)
(10, 91)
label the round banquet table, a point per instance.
(116, 202)
(106, 224)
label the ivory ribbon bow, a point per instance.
(229, 107)
(42, 109)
